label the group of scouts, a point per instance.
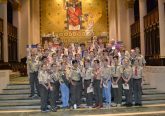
(98, 72)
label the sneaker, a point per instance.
(45, 110)
(140, 104)
(75, 106)
(118, 105)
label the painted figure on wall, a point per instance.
(89, 18)
(73, 14)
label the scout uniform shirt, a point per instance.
(137, 72)
(87, 73)
(33, 65)
(106, 73)
(43, 77)
(141, 60)
(127, 71)
(116, 70)
(97, 74)
(75, 74)
(61, 73)
(54, 76)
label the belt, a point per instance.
(97, 79)
(87, 80)
(115, 77)
(76, 81)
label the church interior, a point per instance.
(24, 24)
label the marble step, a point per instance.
(23, 107)
(149, 92)
(20, 102)
(18, 86)
(16, 91)
(12, 97)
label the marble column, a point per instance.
(112, 13)
(3, 15)
(124, 20)
(162, 27)
(17, 23)
(143, 12)
(35, 21)
(24, 29)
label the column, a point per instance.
(112, 13)
(35, 21)
(143, 12)
(124, 20)
(3, 15)
(161, 27)
(24, 28)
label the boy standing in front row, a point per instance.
(137, 81)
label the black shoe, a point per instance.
(54, 110)
(140, 104)
(32, 96)
(129, 105)
(136, 104)
(125, 104)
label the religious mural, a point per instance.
(73, 14)
(73, 20)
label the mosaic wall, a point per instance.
(73, 20)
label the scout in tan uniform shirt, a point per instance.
(44, 78)
(97, 84)
(64, 85)
(137, 81)
(127, 82)
(106, 77)
(116, 81)
(33, 65)
(76, 84)
(87, 75)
